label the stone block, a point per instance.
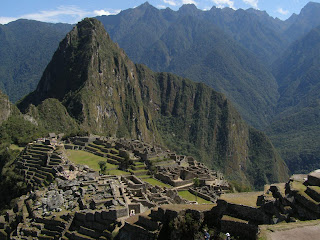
(147, 223)
(248, 213)
(89, 232)
(122, 212)
(314, 192)
(80, 216)
(90, 216)
(307, 202)
(108, 215)
(99, 226)
(157, 214)
(314, 178)
(98, 216)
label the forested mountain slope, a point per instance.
(106, 93)
(26, 47)
(296, 129)
(190, 43)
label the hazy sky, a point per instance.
(72, 11)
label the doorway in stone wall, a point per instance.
(132, 212)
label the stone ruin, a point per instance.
(81, 203)
(178, 171)
(297, 199)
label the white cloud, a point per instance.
(170, 2)
(253, 3)
(282, 11)
(5, 20)
(189, 2)
(67, 14)
(206, 8)
(105, 12)
(73, 13)
(223, 3)
(161, 6)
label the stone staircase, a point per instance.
(138, 168)
(100, 149)
(36, 163)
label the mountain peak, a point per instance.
(188, 9)
(70, 64)
(311, 4)
(145, 5)
(310, 8)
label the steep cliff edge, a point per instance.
(106, 93)
(5, 107)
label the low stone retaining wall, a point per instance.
(199, 194)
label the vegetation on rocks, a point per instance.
(106, 93)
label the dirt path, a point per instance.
(299, 233)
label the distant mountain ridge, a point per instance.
(106, 93)
(301, 24)
(292, 102)
(296, 129)
(189, 43)
(26, 47)
(246, 50)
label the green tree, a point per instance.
(196, 184)
(103, 167)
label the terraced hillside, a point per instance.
(68, 200)
(106, 93)
(72, 201)
(37, 163)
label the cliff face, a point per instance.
(5, 107)
(96, 82)
(106, 93)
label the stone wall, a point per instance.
(254, 214)
(239, 228)
(199, 194)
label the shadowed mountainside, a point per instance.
(106, 93)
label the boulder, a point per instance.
(54, 200)
(314, 178)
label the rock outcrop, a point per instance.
(5, 107)
(106, 93)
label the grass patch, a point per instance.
(246, 198)
(117, 172)
(140, 171)
(138, 163)
(180, 207)
(89, 159)
(191, 197)
(156, 182)
(229, 218)
(297, 186)
(144, 176)
(16, 147)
